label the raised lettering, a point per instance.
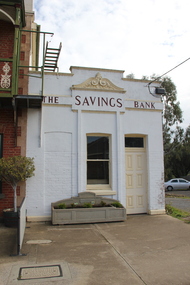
(104, 101)
(152, 106)
(77, 98)
(119, 103)
(56, 100)
(111, 102)
(141, 105)
(92, 101)
(85, 101)
(136, 104)
(50, 99)
(147, 105)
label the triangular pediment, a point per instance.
(98, 83)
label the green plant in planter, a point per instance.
(15, 169)
(117, 205)
(87, 205)
(103, 204)
(62, 206)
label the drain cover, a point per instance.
(37, 272)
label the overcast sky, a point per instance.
(138, 36)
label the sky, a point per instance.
(142, 37)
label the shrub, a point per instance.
(62, 206)
(103, 204)
(117, 205)
(87, 205)
(15, 169)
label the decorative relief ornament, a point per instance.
(5, 79)
(99, 83)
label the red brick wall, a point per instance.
(9, 149)
(7, 39)
(6, 45)
(7, 31)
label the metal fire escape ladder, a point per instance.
(51, 58)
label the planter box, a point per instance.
(87, 215)
(10, 218)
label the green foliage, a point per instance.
(177, 159)
(176, 213)
(130, 76)
(176, 141)
(62, 206)
(102, 204)
(15, 169)
(87, 205)
(117, 205)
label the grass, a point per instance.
(179, 214)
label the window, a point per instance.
(134, 142)
(1, 155)
(183, 181)
(174, 181)
(97, 160)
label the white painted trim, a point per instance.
(38, 218)
(103, 192)
(157, 212)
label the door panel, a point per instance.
(136, 180)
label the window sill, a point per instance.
(103, 192)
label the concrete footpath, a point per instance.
(144, 249)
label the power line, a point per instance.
(168, 71)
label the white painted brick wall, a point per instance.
(60, 153)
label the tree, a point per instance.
(172, 113)
(130, 76)
(176, 142)
(177, 161)
(172, 132)
(15, 169)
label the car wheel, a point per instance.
(169, 188)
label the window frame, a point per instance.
(99, 186)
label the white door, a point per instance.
(136, 180)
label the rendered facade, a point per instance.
(98, 132)
(88, 130)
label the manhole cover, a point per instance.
(37, 272)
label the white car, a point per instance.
(177, 184)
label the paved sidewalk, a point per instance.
(152, 250)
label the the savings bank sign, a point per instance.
(108, 97)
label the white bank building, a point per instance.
(99, 132)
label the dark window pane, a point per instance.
(1, 154)
(97, 147)
(1, 145)
(134, 142)
(97, 172)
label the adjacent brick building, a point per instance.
(15, 51)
